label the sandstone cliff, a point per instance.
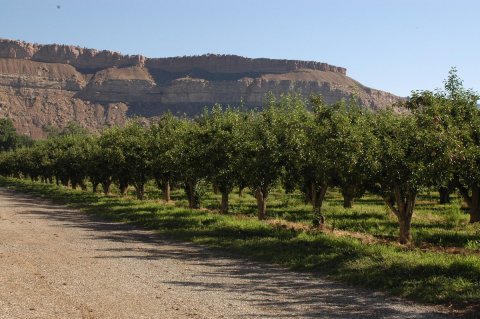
(55, 84)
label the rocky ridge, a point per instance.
(56, 84)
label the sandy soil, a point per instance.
(56, 262)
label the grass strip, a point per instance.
(431, 277)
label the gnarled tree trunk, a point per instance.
(123, 186)
(163, 183)
(473, 202)
(261, 196)
(166, 191)
(444, 194)
(82, 184)
(140, 190)
(405, 222)
(348, 193)
(224, 205)
(192, 194)
(95, 186)
(405, 203)
(307, 191)
(106, 186)
(475, 205)
(225, 190)
(318, 193)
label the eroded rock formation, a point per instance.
(56, 84)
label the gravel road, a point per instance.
(56, 262)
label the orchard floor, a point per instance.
(56, 262)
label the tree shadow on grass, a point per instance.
(303, 295)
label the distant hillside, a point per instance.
(56, 84)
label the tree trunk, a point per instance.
(308, 199)
(123, 185)
(405, 222)
(472, 201)
(106, 186)
(348, 193)
(347, 201)
(261, 196)
(166, 190)
(163, 183)
(240, 191)
(475, 214)
(95, 186)
(192, 194)
(123, 189)
(140, 190)
(444, 194)
(215, 189)
(475, 205)
(405, 203)
(317, 196)
(82, 185)
(224, 206)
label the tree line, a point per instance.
(9, 138)
(430, 140)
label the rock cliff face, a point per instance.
(55, 84)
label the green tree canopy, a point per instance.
(9, 138)
(164, 135)
(221, 145)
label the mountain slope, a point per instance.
(55, 84)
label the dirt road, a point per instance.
(56, 262)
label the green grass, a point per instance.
(411, 272)
(433, 224)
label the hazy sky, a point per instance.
(393, 45)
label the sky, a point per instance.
(393, 45)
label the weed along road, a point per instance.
(57, 262)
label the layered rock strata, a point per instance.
(55, 84)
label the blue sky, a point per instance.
(393, 45)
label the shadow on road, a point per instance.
(295, 295)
